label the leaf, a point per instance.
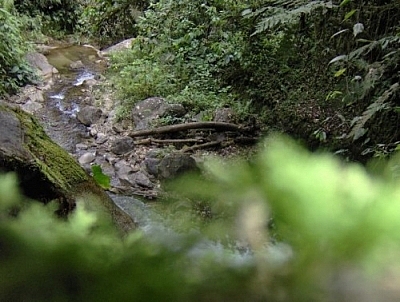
(339, 72)
(101, 179)
(339, 32)
(338, 58)
(358, 130)
(349, 14)
(357, 29)
(344, 2)
(246, 12)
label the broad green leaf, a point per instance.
(340, 72)
(101, 179)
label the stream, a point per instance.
(63, 102)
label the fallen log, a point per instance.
(218, 126)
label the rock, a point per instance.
(136, 179)
(101, 138)
(224, 115)
(122, 145)
(87, 158)
(46, 171)
(31, 107)
(81, 146)
(89, 115)
(40, 63)
(126, 44)
(151, 165)
(146, 111)
(76, 65)
(174, 164)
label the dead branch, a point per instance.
(148, 141)
(219, 126)
(201, 146)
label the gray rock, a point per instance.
(224, 115)
(137, 179)
(146, 111)
(81, 146)
(151, 165)
(89, 115)
(87, 158)
(40, 63)
(31, 106)
(101, 138)
(174, 164)
(126, 44)
(11, 136)
(122, 145)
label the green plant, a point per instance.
(334, 233)
(109, 21)
(58, 16)
(14, 70)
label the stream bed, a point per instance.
(63, 102)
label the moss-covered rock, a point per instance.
(46, 171)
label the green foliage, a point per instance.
(109, 21)
(101, 179)
(183, 50)
(334, 234)
(57, 15)
(14, 70)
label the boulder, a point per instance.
(225, 115)
(122, 145)
(126, 44)
(170, 165)
(146, 111)
(40, 63)
(46, 171)
(89, 115)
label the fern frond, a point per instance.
(286, 13)
(358, 129)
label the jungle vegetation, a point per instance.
(316, 228)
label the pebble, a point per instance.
(87, 158)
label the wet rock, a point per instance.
(174, 164)
(87, 158)
(89, 115)
(122, 145)
(76, 65)
(145, 112)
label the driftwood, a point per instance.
(189, 126)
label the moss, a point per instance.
(53, 161)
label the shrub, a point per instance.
(14, 70)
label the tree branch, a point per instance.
(189, 126)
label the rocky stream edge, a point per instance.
(135, 153)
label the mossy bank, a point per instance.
(46, 171)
